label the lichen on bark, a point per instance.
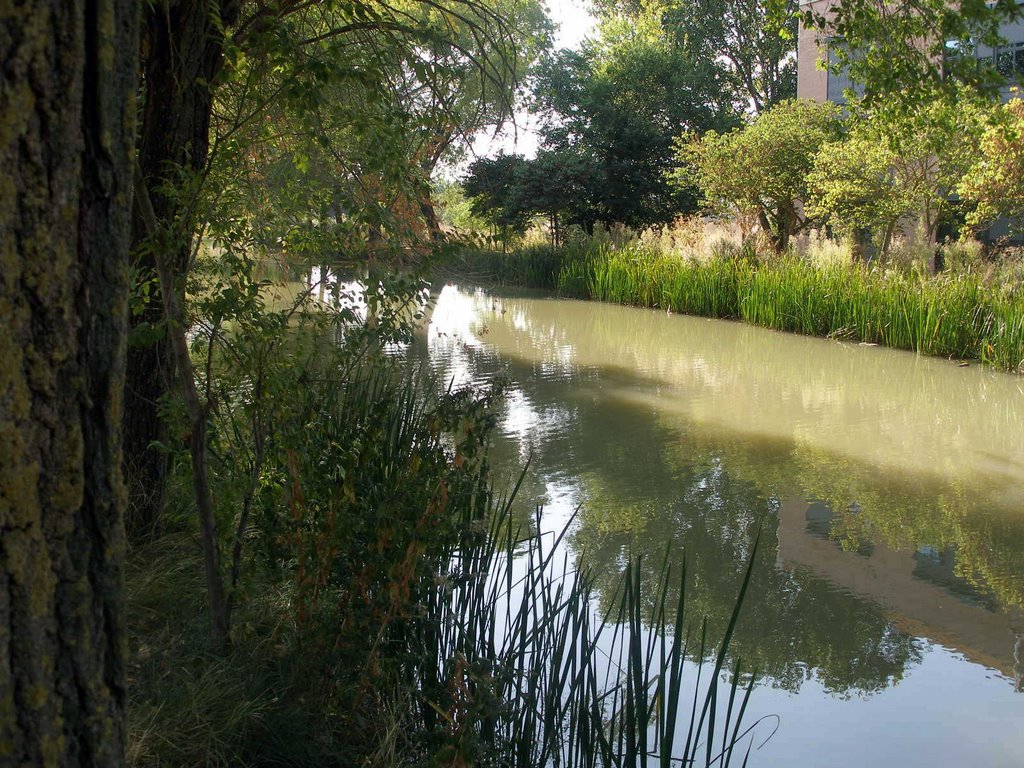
(66, 146)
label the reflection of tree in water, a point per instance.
(972, 527)
(793, 626)
(651, 479)
(641, 497)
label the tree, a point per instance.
(510, 191)
(934, 147)
(752, 41)
(492, 186)
(455, 210)
(855, 187)
(279, 89)
(619, 103)
(67, 92)
(995, 181)
(454, 101)
(762, 168)
(557, 184)
(188, 53)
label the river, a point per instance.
(885, 612)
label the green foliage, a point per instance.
(996, 180)
(466, 79)
(534, 266)
(494, 186)
(893, 164)
(752, 42)
(762, 168)
(381, 614)
(854, 187)
(455, 209)
(611, 112)
(329, 121)
(511, 190)
(490, 667)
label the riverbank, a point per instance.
(951, 315)
(390, 608)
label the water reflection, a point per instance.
(888, 488)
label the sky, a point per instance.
(574, 23)
(573, 19)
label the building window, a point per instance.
(1009, 60)
(839, 80)
(959, 57)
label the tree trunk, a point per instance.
(67, 86)
(766, 227)
(890, 230)
(429, 214)
(198, 418)
(181, 57)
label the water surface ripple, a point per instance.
(885, 613)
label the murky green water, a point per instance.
(886, 607)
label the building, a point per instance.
(814, 82)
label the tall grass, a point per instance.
(948, 315)
(395, 614)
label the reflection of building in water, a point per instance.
(919, 589)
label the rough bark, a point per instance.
(182, 53)
(427, 210)
(67, 85)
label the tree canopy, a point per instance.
(753, 42)
(996, 180)
(893, 165)
(762, 168)
(610, 112)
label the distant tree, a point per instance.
(762, 168)
(752, 41)
(558, 185)
(618, 103)
(755, 39)
(510, 190)
(454, 208)
(67, 104)
(995, 181)
(492, 185)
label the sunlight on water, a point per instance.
(886, 608)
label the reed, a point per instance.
(395, 614)
(949, 315)
(527, 672)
